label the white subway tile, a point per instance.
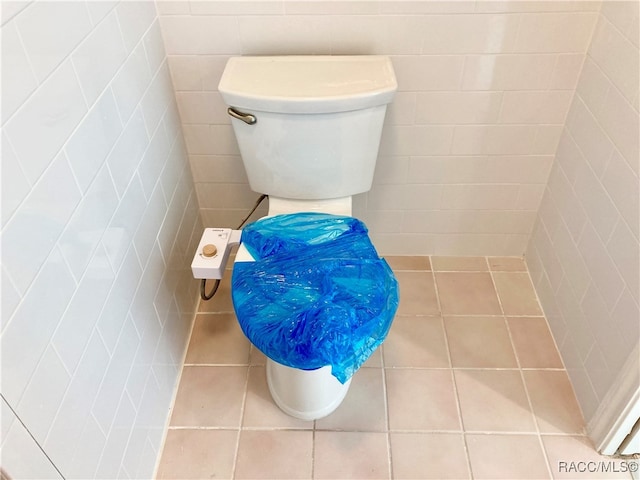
(117, 305)
(458, 108)
(545, 107)
(19, 81)
(124, 223)
(149, 227)
(508, 72)
(135, 17)
(621, 184)
(491, 33)
(547, 139)
(416, 140)
(211, 68)
(623, 250)
(529, 197)
(617, 57)
(15, 185)
(39, 404)
(219, 168)
(118, 436)
(11, 8)
(106, 405)
(94, 138)
(555, 32)
(87, 454)
(18, 444)
(622, 123)
(571, 261)
(65, 434)
(569, 157)
(604, 275)
(10, 300)
(603, 214)
(79, 320)
(48, 116)
(131, 82)
(153, 161)
(25, 339)
(625, 315)
(366, 34)
(127, 152)
(201, 107)
(154, 47)
(494, 139)
(276, 35)
(391, 170)
(96, 71)
(410, 7)
(567, 71)
(173, 7)
(99, 10)
(428, 72)
(87, 225)
(297, 7)
(31, 234)
(200, 35)
(479, 197)
(49, 42)
(185, 72)
(157, 99)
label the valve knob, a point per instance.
(209, 250)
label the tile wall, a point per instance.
(99, 215)
(484, 90)
(584, 254)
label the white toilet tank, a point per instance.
(308, 127)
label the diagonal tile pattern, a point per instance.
(468, 384)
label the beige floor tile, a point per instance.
(507, 264)
(467, 293)
(260, 411)
(417, 294)
(217, 339)
(479, 342)
(421, 400)
(221, 301)
(363, 409)
(256, 357)
(516, 293)
(398, 263)
(375, 360)
(274, 454)
(350, 455)
(506, 457)
(423, 456)
(459, 264)
(416, 342)
(533, 343)
(553, 401)
(198, 454)
(493, 401)
(209, 397)
(574, 457)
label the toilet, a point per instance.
(308, 129)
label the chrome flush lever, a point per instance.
(245, 117)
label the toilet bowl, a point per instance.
(308, 129)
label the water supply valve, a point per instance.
(213, 251)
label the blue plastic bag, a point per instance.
(318, 293)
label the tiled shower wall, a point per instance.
(584, 255)
(99, 214)
(484, 89)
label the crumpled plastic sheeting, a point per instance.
(317, 294)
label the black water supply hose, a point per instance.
(203, 283)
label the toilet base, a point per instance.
(305, 394)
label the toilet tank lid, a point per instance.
(308, 84)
